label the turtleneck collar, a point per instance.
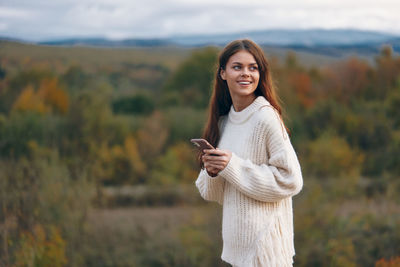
(238, 117)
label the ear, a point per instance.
(222, 74)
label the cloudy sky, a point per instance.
(49, 19)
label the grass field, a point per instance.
(92, 57)
(154, 236)
(169, 57)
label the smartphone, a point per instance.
(201, 143)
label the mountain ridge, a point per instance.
(273, 37)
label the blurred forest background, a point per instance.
(96, 168)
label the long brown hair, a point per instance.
(221, 101)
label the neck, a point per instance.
(242, 102)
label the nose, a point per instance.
(245, 72)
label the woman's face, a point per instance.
(241, 74)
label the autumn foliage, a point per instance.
(45, 99)
(86, 133)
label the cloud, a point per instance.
(14, 13)
(43, 19)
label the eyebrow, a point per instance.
(242, 64)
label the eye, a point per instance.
(254, 68)
(237, 67)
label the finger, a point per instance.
(213, 165)
(214, 151)
(218, 161)
(216, 166)
(212, 168)
(219, 157)
(213, 171)
(214, 159)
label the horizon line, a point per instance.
(180, 35)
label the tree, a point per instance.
(49, 97)
(191, 83)
(177, 165)
(387, 72)
(331, 159)
(137, 104)
(347, 81)
(152, 137)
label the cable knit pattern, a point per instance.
(255, 188)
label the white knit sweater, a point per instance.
(255, 188)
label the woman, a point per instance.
(254, 171)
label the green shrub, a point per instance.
(138, 104)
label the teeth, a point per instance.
(244, 83)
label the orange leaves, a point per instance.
(29, 100)
(53, 95)
(120, 163)
(343, 81)
(387, 70)
(49, 97)
(393, 262)
(132, 154)
(346, 79)
(301, 83)
(38, 248)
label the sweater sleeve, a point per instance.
(275, 180)
(210, 188)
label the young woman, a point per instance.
(254, 170)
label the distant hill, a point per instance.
(102, 42)
(295, 38)
(362, 48)
(291, 38)
(327, 43)
(268, 37)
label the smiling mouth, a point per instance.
(244, 83)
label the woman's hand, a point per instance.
(215, 160)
